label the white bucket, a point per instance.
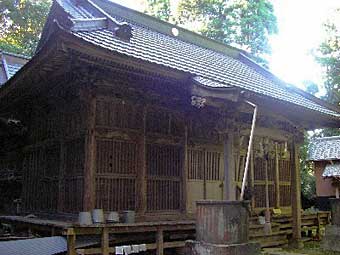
(98, 216)
(112, 217)
(84, 218)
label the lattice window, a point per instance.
(164, 160)
(75, 156)
(284, 170)
(285, 199)
(115, 194)
(118, 114)
(260, 195)
(204, 165)
(52, 161)
(73, 194)
(163, 195)
(117, 164)
(196, 164)
(213, 166)
(259, 170)
(120, 157)
(164, 169)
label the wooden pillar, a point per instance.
(105, 241)
(159, 242)
(71, 242)
(277, 177)
(61, 178)
(267, 226)
(185, 171)
(90, 156)
(252, 177)
(296, 194)
(229, 167)
(142, 175)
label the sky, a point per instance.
(300, 31)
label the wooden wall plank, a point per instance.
(61, 184)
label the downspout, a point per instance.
(249, 148)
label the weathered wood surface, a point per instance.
(296, 194)
(282, 229)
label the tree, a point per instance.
(328, 55)
(21, 23)
(159, 9)
(244, 23)
(311, 87)
(308, 183)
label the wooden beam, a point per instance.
(149, 246)
(105, 242)
(71, 242)
(229, 167)
(90, 155)
(277, 177)
(296, 194)
(159, 241)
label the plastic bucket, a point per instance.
(98, 216)
(112, 217)
(84, 218)
(129, 216)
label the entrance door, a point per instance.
(205, 176)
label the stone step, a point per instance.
(278, 251)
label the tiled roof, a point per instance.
(10, 63)
(12, 69)
(332, 170)
(326, 148)
(211, 67)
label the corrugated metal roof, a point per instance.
(332, 170)
(36, 246)
(214, 68)
(326, 148)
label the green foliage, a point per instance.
(159, 9)
(328, 56)
(311, 87)
(308, 185)
(244, 23)
(21, 23)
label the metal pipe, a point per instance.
(249, 148)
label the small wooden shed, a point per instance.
(325, 153)
(124, 114)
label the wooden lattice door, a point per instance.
(205, 176)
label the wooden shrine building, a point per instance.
(126, 112)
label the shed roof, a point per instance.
(332, 170)
(325, 148)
